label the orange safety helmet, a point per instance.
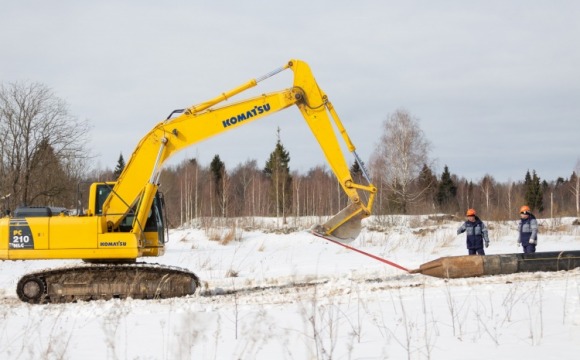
(525, 209)
(470, 212)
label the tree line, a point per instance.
(44, 159)
(403, 172)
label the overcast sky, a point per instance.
(495, 84)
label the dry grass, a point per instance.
(425, 231)
(232, 273)
(214, 234)
(447, 240)
(224, 235)
(228, 236)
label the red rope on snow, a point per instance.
(364, 253)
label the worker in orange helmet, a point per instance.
(476, 232)
(527, 230)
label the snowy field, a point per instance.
(296, 296)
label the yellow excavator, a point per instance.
(124, 220)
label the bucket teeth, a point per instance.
(344, 226)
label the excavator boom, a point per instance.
(205, 120)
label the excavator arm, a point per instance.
(137, 185)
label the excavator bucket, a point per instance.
(344, 226)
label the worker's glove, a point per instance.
(487, 244)
(519, 243)
(532, 241)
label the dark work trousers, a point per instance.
(476, 251)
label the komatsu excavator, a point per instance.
(125, 220)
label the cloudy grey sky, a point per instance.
(495, 84)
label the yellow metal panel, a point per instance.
(4, 238)
(118, 242)
(72, 238)
(74, 254)
(73, 232)
(152, 246)
(28, 233)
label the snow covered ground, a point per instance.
(296, 296)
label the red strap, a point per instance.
(362, 252)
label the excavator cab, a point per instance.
(155, 229)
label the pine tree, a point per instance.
(427, 183)
(527, 181)
(356, 172)
(46, 165)
(120, 167)
(534, 191)
(278, 170)
(446, 191)
(217, 169)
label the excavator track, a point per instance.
(106, 281)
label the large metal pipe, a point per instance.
(481, 265)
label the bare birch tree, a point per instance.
(243, 178)
(487, 190)
(39, 137)
(399, 157)
(510, 189)
(575, 187)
